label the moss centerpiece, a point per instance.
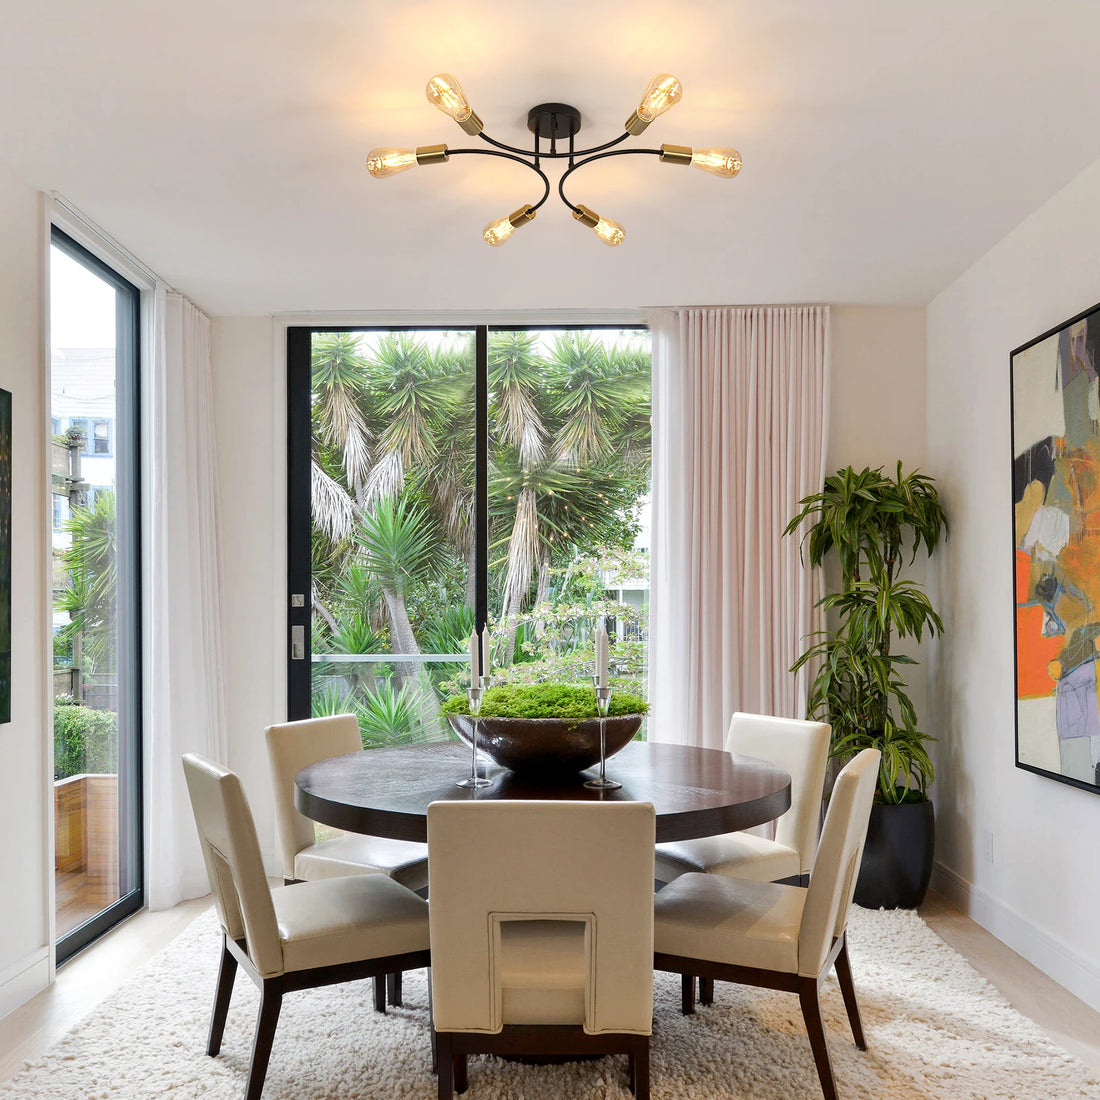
(546, 729)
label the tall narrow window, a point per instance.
(96, 624)
(397, 438)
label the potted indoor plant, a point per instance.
(867, 518)
(546, 729)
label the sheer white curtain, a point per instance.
(740, 408)
(184, 636)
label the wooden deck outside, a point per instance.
(86, 839)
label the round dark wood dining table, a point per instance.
(695, 792)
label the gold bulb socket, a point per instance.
(431, 154)
(636, 124)
(675, 154)
(522, 215)
(586, 216)
(472, 124)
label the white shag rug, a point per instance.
(935, 1029)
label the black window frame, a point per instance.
(127, 454)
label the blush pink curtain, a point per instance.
(740, 410)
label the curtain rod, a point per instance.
(99, 232)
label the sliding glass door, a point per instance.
(440, 479)
(96, 624)
(383, 520)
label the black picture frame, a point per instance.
(5, 555)
(1055, 420)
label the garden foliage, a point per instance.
(85, 740)
(393, 498)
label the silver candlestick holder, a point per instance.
(603, 703)
(474, 695)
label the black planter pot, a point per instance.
(897, 858)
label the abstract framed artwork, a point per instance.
(1056, 536)
(5, 556)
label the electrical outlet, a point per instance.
(987, 845)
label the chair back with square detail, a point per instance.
(802, 748)
(541, 903)
(234, 863)
(294, 937)
(833, 880)
(778, 936)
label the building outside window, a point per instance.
(60, 511)
(96, 435)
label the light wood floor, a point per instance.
(1065, 1018)
(93, 975)
(79, 898)
(86, 980)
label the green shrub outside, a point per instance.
(85, 740)
(545, 701)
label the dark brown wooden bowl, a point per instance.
(550, 747)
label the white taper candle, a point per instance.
(601, 654)
(475, 660)
(487, 650)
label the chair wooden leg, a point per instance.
(808, 996)
(687, 994)
(446, 1064)
(631, 1070)
(393, 989)
(460, 1067)
(222, 993)
(380, 993)
(640, 1059)
(848, 989)
(271, 1001)
(706, 991)
(431, 1021)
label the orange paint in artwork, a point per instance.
(1033, 652)
(1023, 577)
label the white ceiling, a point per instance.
(886, 145)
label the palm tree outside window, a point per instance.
(393, 550)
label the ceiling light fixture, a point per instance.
(554, 122)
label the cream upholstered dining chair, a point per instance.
(293, 937)
(802, 748)
(541, 931)
(772, 935)
(292, 746)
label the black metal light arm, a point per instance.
(524, 160)
(598, 156)
(553, 154)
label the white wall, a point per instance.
(1041, 892)
(24, 913)
(876, 407)
(249, 394)
(877, 416)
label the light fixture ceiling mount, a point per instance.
(551, 123)
(554, 120)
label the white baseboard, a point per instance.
(1081, 976)
(23, 979)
